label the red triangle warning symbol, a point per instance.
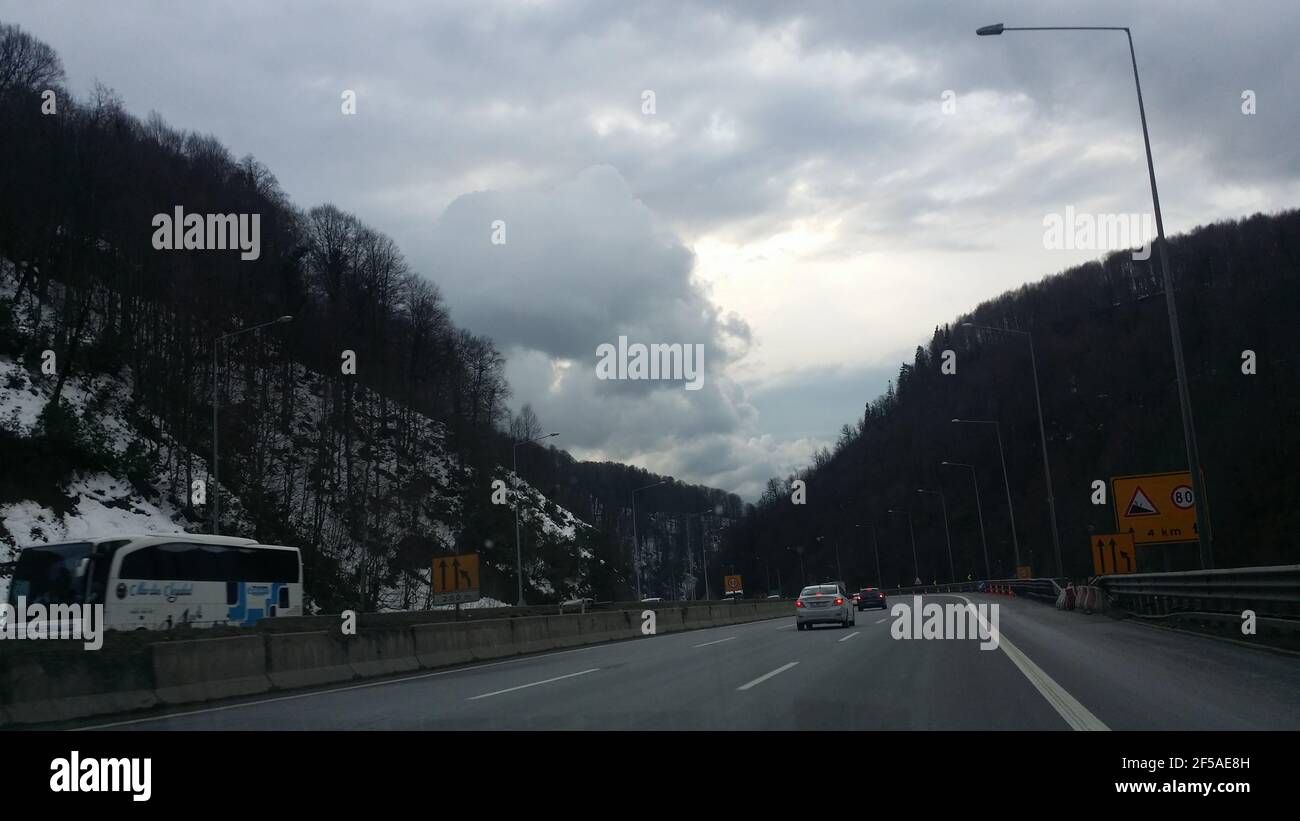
(1141, 505)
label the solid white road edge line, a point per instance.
(1074, 713)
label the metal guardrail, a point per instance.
(1269, 591)
(960, 587)
(1047, 589)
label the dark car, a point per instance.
(870, 597)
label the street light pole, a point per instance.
(636, 551)
(636, 544)
(1175, 336)
(519, 551)
(803, 577)
(1042, 435)
(916, 565)
(216, 403)
(947, 534)
(988, 572)
(875, 543)
(690, 557)
(1011, 513)
(216, 472)
(704, 557)
(839, 574)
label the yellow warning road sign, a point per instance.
(1113, 553)
(1155, 507)
(455, 579)
(1024, 571)
(732, 584)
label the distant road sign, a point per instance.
(732, 584)
(455, 579)
(1155, 507)
(1113, 553)
(1023, 572)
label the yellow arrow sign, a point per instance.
(1113, 553)
(455, 574)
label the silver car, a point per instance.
(824, 604)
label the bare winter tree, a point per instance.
(525, 425)
(26, 62)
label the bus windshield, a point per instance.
(48, 574)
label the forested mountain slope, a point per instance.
(1110, 404)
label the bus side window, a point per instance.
(156, 563)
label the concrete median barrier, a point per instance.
(206, 669)
(564, 631)
(698, 617)
(306, 659)
(490, 639)
(601, 627)
(441, 645)
(47, 687)
(381, 652)
(670, 620)
(723, 614)
(531, 634)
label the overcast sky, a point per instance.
(799, 201)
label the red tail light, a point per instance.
(798, 603)
(838, 600)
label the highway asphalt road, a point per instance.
(1052, 671)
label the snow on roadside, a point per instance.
(486, 601)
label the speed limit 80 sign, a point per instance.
(1183, 497)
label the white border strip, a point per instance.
(1069, 708)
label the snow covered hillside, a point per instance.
(369, 488)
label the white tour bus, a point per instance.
(159, 581)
